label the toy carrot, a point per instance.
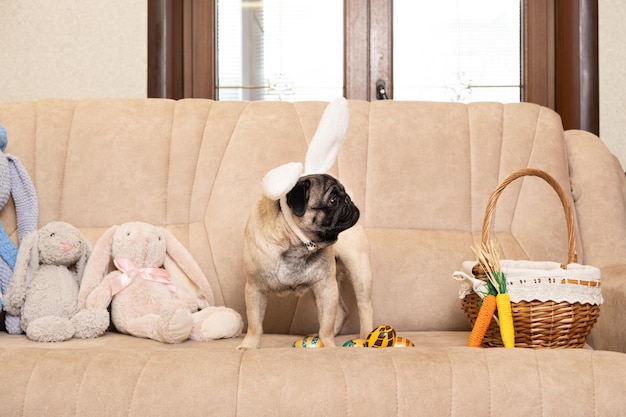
(507, 332)
(487, 309)
(489, 259)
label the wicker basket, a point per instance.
(538, 324)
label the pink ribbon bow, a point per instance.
(131, 271)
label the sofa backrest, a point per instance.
(420, 172)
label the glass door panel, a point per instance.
(279, 50)
(457, 50)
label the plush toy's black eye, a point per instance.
(52, 234)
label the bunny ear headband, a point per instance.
(320, 157)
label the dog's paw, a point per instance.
(249, 343)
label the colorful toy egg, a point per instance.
(356, 343)
(403, 342)
(381, 337)
(308, 342)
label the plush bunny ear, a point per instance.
(24, 196)
(26, 266)
(179, 260)
(279, 181)
(328, 138)
(82, 261)
(97, 266)
(320, 156)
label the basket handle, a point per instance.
(572, 257)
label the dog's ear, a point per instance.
(298, 197)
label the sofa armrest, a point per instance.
(609, 333)
(599, 191)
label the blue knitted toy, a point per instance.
(15, 181)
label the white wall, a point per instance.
(612, 65)
(98, 48)
(72, 49)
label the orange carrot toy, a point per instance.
(487, 309)
(489, 259)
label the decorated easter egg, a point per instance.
(403, 342)
(308, 342)
(355, 343)
(381, 337)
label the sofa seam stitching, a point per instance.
(28, 384)
(60, 205)
(241, 358)
(499, 174)
(540, 384)
(345, 385)
(216, 293)
(521, 187)
(195, 172)
(395, 372)
(452, 384)
(132, 397)
(80, 385)
(210, 196)
(593, 381)
(489, 375)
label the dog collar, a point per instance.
(284, 208)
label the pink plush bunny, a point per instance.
(146, 300)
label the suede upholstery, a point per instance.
(421, 174)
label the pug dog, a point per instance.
(307, 240)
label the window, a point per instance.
(558, 47)
(279, 50)
(454, 50)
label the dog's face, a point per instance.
(321, 207)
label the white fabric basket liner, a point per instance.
(541, 281)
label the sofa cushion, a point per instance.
(420, 172)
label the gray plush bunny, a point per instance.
(44, 289)
(14, 181)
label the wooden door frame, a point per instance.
(538, 54)
(559, 53)
(577, 98)
(165, 40)
(181, 48)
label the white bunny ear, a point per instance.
(26, 267)
(97, 265)
(328, 138)
(185, 271)
(279, 181)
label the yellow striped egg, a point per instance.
(308, 342)
(355, 343)
(403, 342)
(381, 337)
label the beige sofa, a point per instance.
(421, 174)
